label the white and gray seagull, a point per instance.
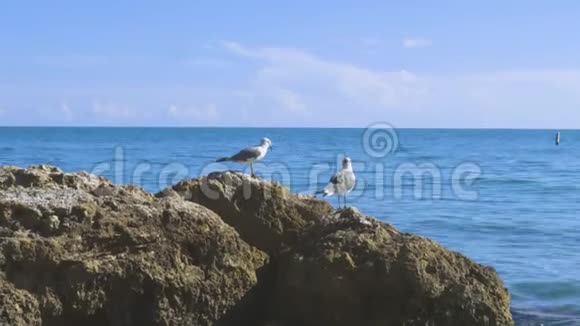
(250, 155)
(341, 183)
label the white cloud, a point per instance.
(297, 71)
(329, 91)
(112, 110)
(564, 78)
(289, 100)
(238, 49)
(371, 42)
(206, 113)
(281, 86)
(412, 43)
(66, 112)
(207, 62)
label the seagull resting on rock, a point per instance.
(250, 155)
(341, 183)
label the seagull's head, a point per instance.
(346, 164)
(266, 142)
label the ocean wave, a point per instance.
(530, 317)
(507, 181)
(548, 290)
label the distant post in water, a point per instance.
(557, 138)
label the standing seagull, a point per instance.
(250, 154)
(341, 183)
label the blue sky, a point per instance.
(491, 64)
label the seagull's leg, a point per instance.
(338, 201)
(252, 169)
(344, 200)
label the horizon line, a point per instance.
(279, 127)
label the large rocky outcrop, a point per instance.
(266, 214)
(225, 249)
(74, 250)
(343, 268)
(354, 270)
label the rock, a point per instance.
(265, 214)
(45, 176)
(17, 307)
(125, 257)
(51, 223)
(346, 268)
(354, 270)
(224, 250)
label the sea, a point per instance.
(509, 199)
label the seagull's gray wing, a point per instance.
(336, 179)
(333, 183)
(245, 155)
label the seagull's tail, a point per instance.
(324, 193)
(223, 159)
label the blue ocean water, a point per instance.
(506, 198)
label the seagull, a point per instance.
(250, 154)
(341, 183)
